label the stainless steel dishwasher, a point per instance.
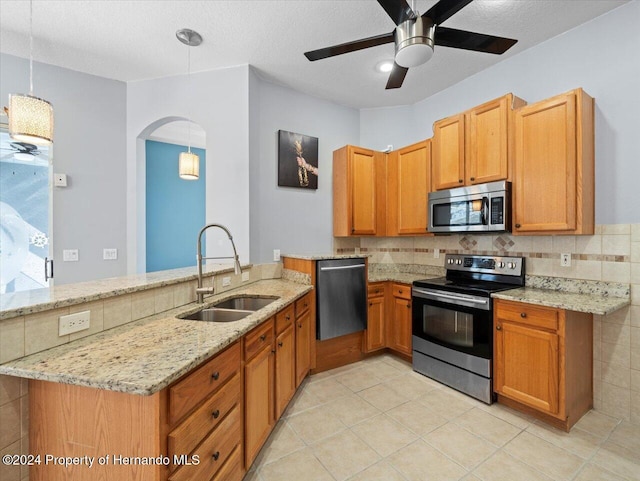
(341, 297)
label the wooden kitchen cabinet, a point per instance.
(285, 361)
(359, 192)
(399, 325)
(543, 361)
(375, 338)
(408, 185)
(553, 190)
(304, 339)
(474, 147)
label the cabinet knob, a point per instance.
(300, 325)
(523, 314)
(517, 226)
(263, 337)
(306, 305)
(216, 414)
(460, 181)
(279, 343)
(409, 306)
(400, 291)
(370, 304)
(498, 328)
(215, 455)
(273, 351)
(215, 376)
(472, 179)
(287, 317)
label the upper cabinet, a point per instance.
(408, 181)
(473, 147)
(359, 192)
(553, 190)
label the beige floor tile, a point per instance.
(518, 419)
(10, 472)
(328, 390)
(252, 475)
(301, 465)
(627, 435)
(387, 370)
(487, 426)
(591, 472)
(578, 441)
(619, 460)
(383, 397)
(282, 441)
(344, 455)
(444, 403)
(597, 423)
(411, 385)
(502, 467)
(315, 424)
(397, 363)
(555, 462)
(360, 379)
(384, 435)
(351, 409)
(302, 401)
(419, 460)
(460, 445)
(381, 471)
(417, 417)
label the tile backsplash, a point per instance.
(611, 255)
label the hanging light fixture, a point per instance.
(188, 162)
(30, 117)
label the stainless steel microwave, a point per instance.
(477, 208)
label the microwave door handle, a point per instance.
(485, 211)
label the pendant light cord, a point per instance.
(188, 96)
(31, 47)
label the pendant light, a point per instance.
(30, 117)
(188, 162)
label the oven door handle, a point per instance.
(435, 296)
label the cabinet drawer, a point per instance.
(188, 393)
(231, 470)
(214, 450)
(375, 289)
(538, 316)
(402, 290)
(284, 318)
(303, 304)
(255, 340)
(188, 435)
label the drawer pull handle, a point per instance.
(216, 414)
(215, 376)
(263, 337)
(498, 328)
(523, 314)
(216, 455)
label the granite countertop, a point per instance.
(322, 257)
(145, 356)
(401, 277)
(571, 301)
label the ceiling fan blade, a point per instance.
(396, 77)
(398, 10)
(479, 42)
(445, 9)
(349, 47)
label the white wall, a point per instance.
(296, 221)
(218, 102)
(600, 56)
(89, 146)
(382, 127)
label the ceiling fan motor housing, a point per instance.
(414, 42)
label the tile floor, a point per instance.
(377, 420)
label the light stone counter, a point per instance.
(145, 356)
(401, 277)
(571, 301)
(322, 257)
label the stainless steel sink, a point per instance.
(217, 315)
(245, 303)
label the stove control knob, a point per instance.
(501, 264)
(459, 262)
(450, 261)
(511, 265)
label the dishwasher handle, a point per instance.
(335, 268)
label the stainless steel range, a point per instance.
(453, 319)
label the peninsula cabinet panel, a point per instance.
(408, 183)
(375, 334)
(285, 369)
(554, 166)
(304, 340)
(399, 327)
(448, 152)
(359, 192)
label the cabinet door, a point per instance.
(448, 153)
(375, 324)
(363, 191)
(408, 183)
(487, 142)
(527, 365)
(303, 346)
(545, 166)
(258, 398)
(400, 326)
(285, 370)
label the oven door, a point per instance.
(464, 328)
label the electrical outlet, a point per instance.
(109, 254)
(70, 255)
(245, 276)
(226, 281)
(565, 260)
(436, 253)
(60, 180)
(74, 323)
(276, 255)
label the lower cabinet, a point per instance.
(389, 317)
(375, 338)
(304, 339)
(285, 360)
(399, 327)
(543, 361)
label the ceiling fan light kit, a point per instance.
(414, 42)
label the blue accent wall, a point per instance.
(175, 208)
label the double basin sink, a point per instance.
(230, 310)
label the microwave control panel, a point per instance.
(497, 210)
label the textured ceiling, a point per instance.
(132, 40)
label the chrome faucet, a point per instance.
(201, 291)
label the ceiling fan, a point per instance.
(22, 151)
(415, 37)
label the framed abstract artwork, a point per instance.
(297, 160)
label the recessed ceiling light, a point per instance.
(385, 66)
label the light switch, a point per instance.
(109, 254)
(70, 255)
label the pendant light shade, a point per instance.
(30, 119)
(189, 166)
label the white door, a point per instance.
(25, 214)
